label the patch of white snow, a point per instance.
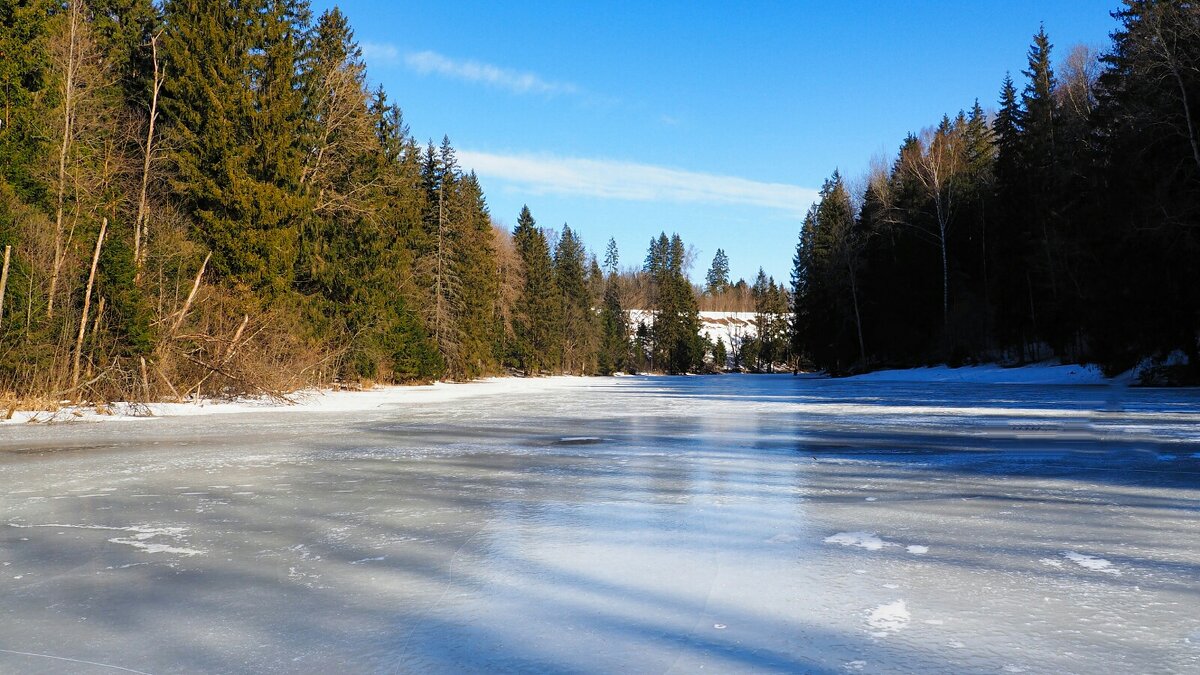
(867, 540)
(888, 618)
(1092, 562)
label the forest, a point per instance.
(1066, 224)
(205, 197)
(200, 197)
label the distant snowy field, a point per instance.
(730, 327)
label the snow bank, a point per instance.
(992, 374)
(310, 401)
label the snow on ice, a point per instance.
(867, 540)
(889, 618)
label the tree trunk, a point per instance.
(145, 379)
(1187, 116)
(187, 304)
(139, 231)
(862, 348)
(87, 302)
(945, 278)
(63, 152)
(4, 279)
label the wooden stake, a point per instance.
(95, 333)
(145, 379)
(29, 306)
(99, 314)
(191, 296)
(87, 305)
(4, 279)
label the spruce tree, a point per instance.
(675, 335)
(717, 279)
(474, 265)
(233, 105)
(612, 257)
(577, 331)
(538, 309)
(614, 332)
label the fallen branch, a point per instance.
(187, 304)
(87, 303)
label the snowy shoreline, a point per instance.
(1042, 373)
(343, 400)
(305, 400)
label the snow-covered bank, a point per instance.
(309, 401)
(732, 328)
(992, 374)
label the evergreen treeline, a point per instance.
(201, 196)
(1066, 224)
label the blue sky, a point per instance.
(716, 120)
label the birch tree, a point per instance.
(935, 162)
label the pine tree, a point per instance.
(614, 332)
(1141, 212)
(720, 355)
(233, 105)
(538, 310)
(762, 318)
(25, 66)
(474, 265)
(1039, 152)
(611, 257)
(717, 279)
(675, 335)
(803, 323)
(577, 331)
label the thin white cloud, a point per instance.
(608, 179)
(433, 63)
(380, 53)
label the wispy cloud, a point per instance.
(608, 179)
(380, 53)
(431, 63)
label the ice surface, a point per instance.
(613, 525)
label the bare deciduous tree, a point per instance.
(935, 161)
(1170, 31)
(71, 50)
(1076, 90)
(142, 218)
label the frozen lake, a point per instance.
(723, 524)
